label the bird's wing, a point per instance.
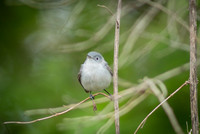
(79, 78)
(109, 69)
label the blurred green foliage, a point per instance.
(43, 44)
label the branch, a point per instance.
(193, 67)
(168, 110)
(56, 114)
(115, 73)
(145, 119)
(103, 6)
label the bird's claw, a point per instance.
(91, 97)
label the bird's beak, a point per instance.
(89, 57)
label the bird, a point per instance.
(95, 74)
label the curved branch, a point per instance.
(53, 115)
(145, 119)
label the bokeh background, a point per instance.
(44, 42)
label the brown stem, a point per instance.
(115, 73)
(142, 123)
(193, 68)
(53, 115)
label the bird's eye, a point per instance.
(97, 58)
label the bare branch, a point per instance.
(115, 73)
(145, 119)
(168, 110)
(56, 114)
(193, 68)
(103, 6)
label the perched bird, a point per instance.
(95, 74)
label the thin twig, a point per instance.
(193, 68)
(103, 6)
(56, 114)
(168, 110)
(115, 73)
(142, 123)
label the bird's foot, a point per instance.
(91, 97)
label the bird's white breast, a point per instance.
(95, 76)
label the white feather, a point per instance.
(95, 76)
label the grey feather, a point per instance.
(79, 78)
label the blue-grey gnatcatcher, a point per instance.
(95, 74)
